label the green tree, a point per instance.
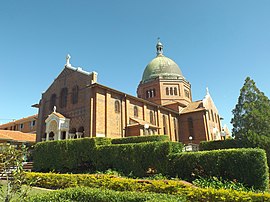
(251, 115)
(11, 168)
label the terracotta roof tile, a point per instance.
(17, 136)
(59, 115)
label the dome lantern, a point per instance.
(159, 47)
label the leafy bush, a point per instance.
(221, 195)
(140, 159)
(139, 139)
(67, 155)
(98, 195)
(219, 183)
(182, 192)
(247, 166)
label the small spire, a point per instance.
(54, 109)
(67, 60)
(159, 47)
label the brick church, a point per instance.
(75, 105)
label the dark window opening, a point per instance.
(164, 125)
(152, 118)
(63, 97)
(136, 111)
(175, 91)
(75, 94)
(167, 91)
(52, 101)
(190, 127)
(117, 106)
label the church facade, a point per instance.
(76, 106)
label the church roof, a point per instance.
(58, 115)
(17, 136)
(193, 107)
(161, 67)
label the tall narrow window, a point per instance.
(212, 115)
(152, 118)
(135, 111)
(75, 94)
(52, 101)
(164, 125)
(63, 97)
(171, 91)
(186, 93)
(175, 122)
(175, 91)
(167, 91)
(190, 127)
(117, 106)
(154, 92)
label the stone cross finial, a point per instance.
(207, 91)
(54, 109)
(67, 60)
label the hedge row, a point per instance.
(61, 181)
(138, 159)
(247, 166)
(67, 155)
(253, 141)
(98, 195)
(87, 154)
(138, 188)
(139, 139)
(220, 144)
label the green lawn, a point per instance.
(31, 191)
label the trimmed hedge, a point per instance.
(102, 195)
(182, 192)
(91, 154)
(257, 141)
(137, 159)
(67, 155)
(222, 195)
(61, 181)
(139, 139)
(247, 166)
(220, 144)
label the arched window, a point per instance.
(52, 101)
(152, 118)
(164, 125)
(135, 111)
(190, 127)
(175, 91)
(154, 92)
(63, 97)
(171, 91)
(212, 114)
(186, 93)
(117, 106)
(167, 91)
(75, 94)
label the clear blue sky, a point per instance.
(217, 44)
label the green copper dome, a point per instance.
(161, 67)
